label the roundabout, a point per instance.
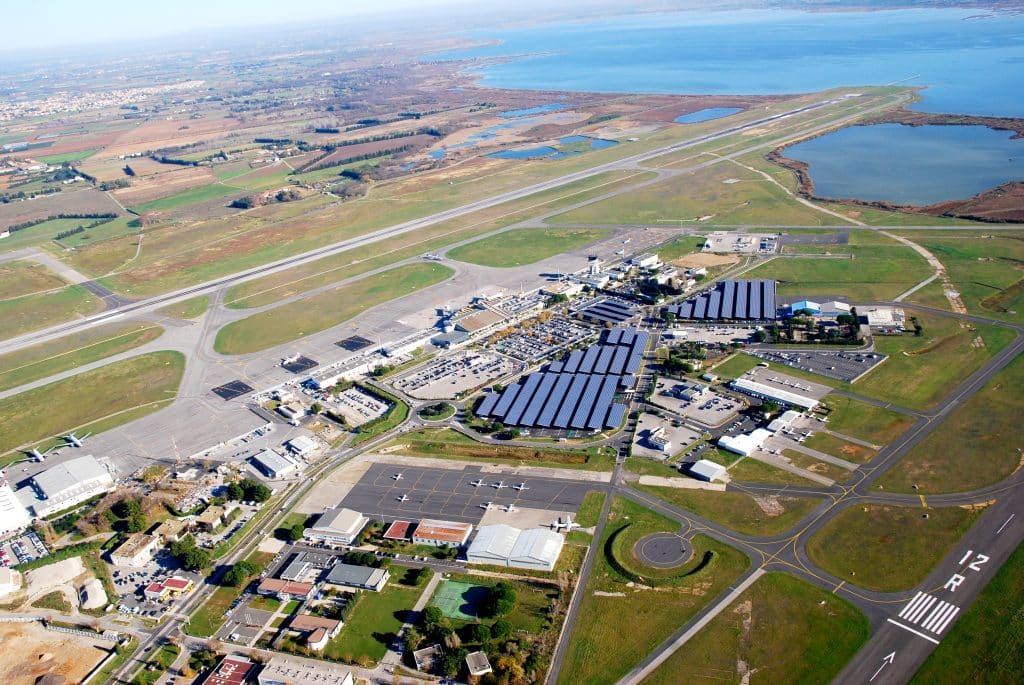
(663, 550)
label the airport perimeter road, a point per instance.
(149, 304)
(914, 628)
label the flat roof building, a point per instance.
(338, 526)
(477, 664)
(211, 519)
(302, 445)
(10, 581)
(276, 587)
(292, 671)
(442, 533)
(232, 670)
(362, 577)
(767, 392)
(64, 485)
(784, 421)
(137, 550)
(13, 514)
(273, 464)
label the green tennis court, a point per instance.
(459, 600)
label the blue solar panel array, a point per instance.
(577, 392)
(731, 301)
(611, 311)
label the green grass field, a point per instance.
(52, 409)
(750, 470)
(157, 664)
(737, 510)
(865, 421)
(38, 234)
(525, 245)
(781, 630)
(598, 651)
(876, 272)
(42, 310)
(837, 447)
(67, 157)
(40, 361)
(324, 310)
(680, 247)
(590, 509)
(191, 308)
(989, 636)
(822, 468)
(205, 193)
(444, 443)
(887, 548)
(976, 445)
(373, 625)
(19, 278)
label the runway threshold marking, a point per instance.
(928, 612)
(919, 634)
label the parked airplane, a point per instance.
(403, 498)
(520, 487)
(477, 483)
(567, 525)
(510, 509)
(74, 440)
(499, 485)
(39, 456)
(397, 476)
(486, 506)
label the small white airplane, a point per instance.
(520, 487)
(567, 525)
(499, 485)
(477, 483)
(39, 456)
(510, 509)
(74, 440)
(486, 506)
(403, 498)
(397, 476)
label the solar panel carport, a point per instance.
(743, 300)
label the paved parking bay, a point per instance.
(846, 366)
(230, 391)
(448, 494)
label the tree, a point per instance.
(412, 640)
(136, 523)
(432, 616)
(479, 632)
(296, 532)
(316, 408)
(196, 559)
(240, 573)
(501, 630)
(235, 491)
(500, 600)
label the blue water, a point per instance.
(706, 115)
(526, 153)
(437, 154)
(911, 165)
(541, 109)
(971, 60)
(552, 152)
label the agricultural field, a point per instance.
(269, 289)
(39, 234)
(145, 190)
(92, 395)
(322, 311)
(597, 652)
(525, 245)
(202, 193)
(82, 200)
(762, 516)
(19, 278)
(42, 310)
(780, 630)
(444, 443)
(989, 636)
(40, 361)
(873, 273)
(888, 548)
(976, 445)
(730, 194)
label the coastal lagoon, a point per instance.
(972, 61)
(910, 165)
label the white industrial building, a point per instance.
(302, 445)
(337, 526)
(705, 469)
(504, 545)
(745, 444)
(411, 342)
(14, 517)
(10, 581)
(281, 670)
(646, 261)
(64, 485)
(136, 551)
(767, 392)
(785, 421)
(273, 464)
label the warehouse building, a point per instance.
(337, 526)
(67, 484)
(273, 464)
(576, 393)
(504, 545)
(767, 392)
(282, 670)
(705, 469)
(745, 444)
(785, 421)
(361, 577)
(13, 514)
(442, 533)
(743, 300)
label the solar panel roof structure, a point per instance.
(746, 300)
(577, 392)
(611, 311)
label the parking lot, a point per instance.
(449, 494)
(840, 365)
(780, 381)
(709, 409)
(454, 375)
(544, 339)
(678, 435)
(21, 549)
(356, 406)
(715, 333)
(129, 584)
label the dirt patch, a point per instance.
(53, 576)
(1000, 302)
(28, 652)
(769, 505)
(699, 259)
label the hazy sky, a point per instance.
(39, 25)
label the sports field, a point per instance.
(525, 245)
(459, 600)
(780, 630)
(322, 311)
